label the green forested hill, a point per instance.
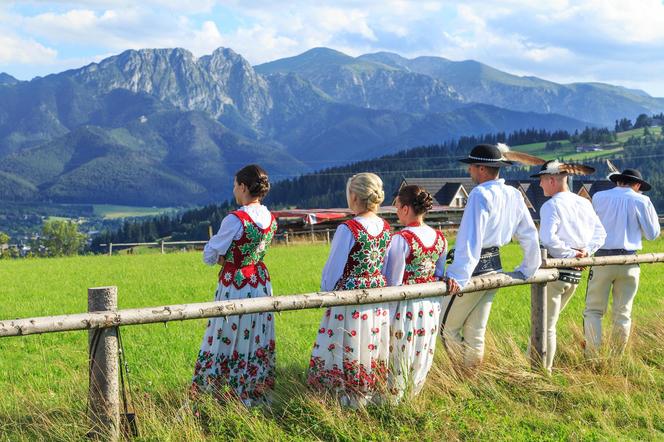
(641, 148)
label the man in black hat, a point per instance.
(626, 214)
(495, 213)
(569, 228)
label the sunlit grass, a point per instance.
(43, 379)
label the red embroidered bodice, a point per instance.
(421, 261)
(365, 259)
(244, 258)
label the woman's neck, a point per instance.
(414, 222)
(251, 203)
(366, 214)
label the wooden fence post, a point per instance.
(327, 236)
(313, 237)
(286, 237)
(162, 246)
(104, 391)
(110, 249)
(538, 323)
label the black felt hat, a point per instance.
(631, 176)
(486, 155)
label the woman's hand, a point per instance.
(221, 261)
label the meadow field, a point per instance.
(43, 378)
(567, 150)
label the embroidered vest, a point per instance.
(244, 258)
(365, 259)
(421, 262)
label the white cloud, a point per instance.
(597, 40)
(16, 50)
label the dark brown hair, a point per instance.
(255, 178)
(416, 197)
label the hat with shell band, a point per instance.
(631, 176)
(486, 155)
(555, 167)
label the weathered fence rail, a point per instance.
(103, 319)
(162, 244)
(181, 312)
(603, 260)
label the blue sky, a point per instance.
(609, 41)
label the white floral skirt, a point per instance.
(413, 336)
(237, 356)
(350, 354)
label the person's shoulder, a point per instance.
(578, 199)
(480, 193)
(603, 193)
(643, 200)
(636, 197)
(548, 205)
(236, 215)
(509, 190)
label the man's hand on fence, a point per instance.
(452, 286)
(581, 253)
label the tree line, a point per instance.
(326, 188)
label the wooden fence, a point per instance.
(288, 237)
(103, 320)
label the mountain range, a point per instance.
(162, 127)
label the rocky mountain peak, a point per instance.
(6, 79)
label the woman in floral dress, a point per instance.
(237, 356)
(350, 354)
(415, 255)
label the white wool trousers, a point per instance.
(625, 282)
(558, 294)
(463, 325)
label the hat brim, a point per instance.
(500, 163)
(543, 172)
(645, 186)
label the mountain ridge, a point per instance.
(186, 123)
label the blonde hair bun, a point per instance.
(368, 187)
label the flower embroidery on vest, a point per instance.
(421, 262)
(244, 258)
(365, 259)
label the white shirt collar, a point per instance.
(492, 182)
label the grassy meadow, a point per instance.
(110, 211)
(567, 150)
(43, 378)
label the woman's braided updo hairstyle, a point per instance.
(416, 197)
(255, 178)
(369, 189)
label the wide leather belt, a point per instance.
(614, 252)
(570, 275)
(489, 262)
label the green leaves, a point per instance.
(61, 238)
